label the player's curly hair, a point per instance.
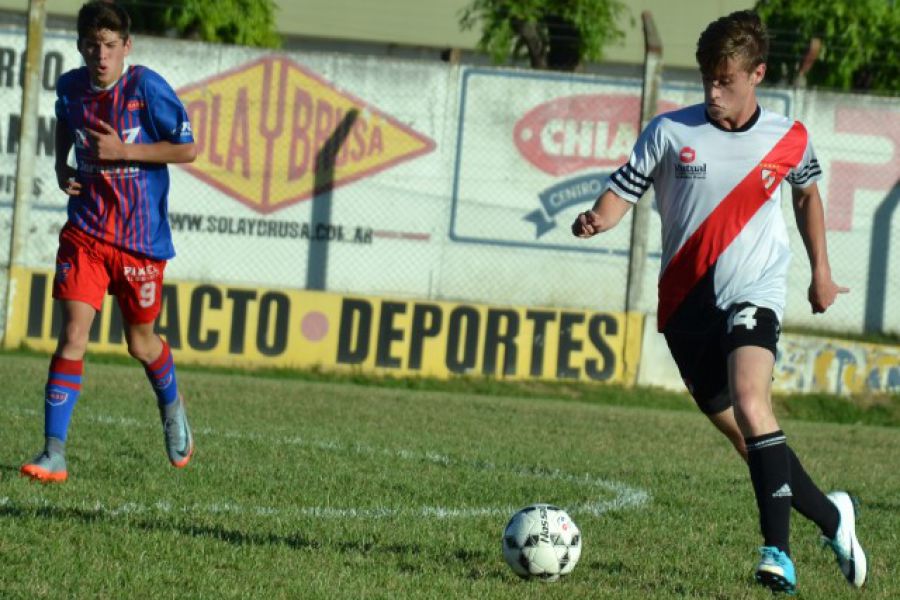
(101, 14)
(740, 36)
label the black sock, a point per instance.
(770, 472)
(809, 500)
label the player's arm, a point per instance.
(606, 213)
(65, 175)
(810, 217)
(63, 143)
(626, 185)
(161, 152)
(107, 145)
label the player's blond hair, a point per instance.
(740, 36)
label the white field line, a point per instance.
(616, 495)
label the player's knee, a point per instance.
(748, 394)
(754, 410)
(74, 340)
(140, 351)
(144, 348)
(135, 351)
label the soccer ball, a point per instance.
(541, 542)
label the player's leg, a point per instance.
(749, 341)
(807, 498)
(154, 353)
(703, 360)
(725, 422)
(79, 287)
(138, 291)
(750, 374)
(61, 391)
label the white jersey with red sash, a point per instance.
(718, 194)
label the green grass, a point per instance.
(867, 409)
(306, 488)
(869, 337)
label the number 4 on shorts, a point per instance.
(744, 317)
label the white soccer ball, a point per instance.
(541, 541)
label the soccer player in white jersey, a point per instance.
(716, 170)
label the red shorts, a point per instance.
(87, 268)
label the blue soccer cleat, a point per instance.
(776, 571)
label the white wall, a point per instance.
(439, 188)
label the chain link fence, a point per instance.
(422, 180)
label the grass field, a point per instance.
(316, 489)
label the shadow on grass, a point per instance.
(473, 561)
(10, 468)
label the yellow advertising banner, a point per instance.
(262, 327)
(271, 133)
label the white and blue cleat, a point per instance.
(849, 554)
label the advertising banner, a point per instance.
(215, 324)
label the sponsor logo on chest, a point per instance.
(687, 167)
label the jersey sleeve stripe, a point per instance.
(813, 164)
(639, 185)
(805, 177)
(626, 189)
(634, 172)
(810, 177)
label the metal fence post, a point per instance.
(637, 261)
(37, 13)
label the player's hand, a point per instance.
(586, 224)
(66, 178)
(823, 291)
(106, 143)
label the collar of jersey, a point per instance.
(98, 89)
(745, 127)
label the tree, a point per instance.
(859, 42)
(553, 34)
(244, 22)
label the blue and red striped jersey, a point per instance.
(123, 203)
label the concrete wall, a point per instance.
(408, 181)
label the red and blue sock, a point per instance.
(60, 395)
(161, 373)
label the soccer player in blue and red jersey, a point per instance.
(126, 124)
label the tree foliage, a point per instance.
(554, 34)
(244, 22)
(860, 42)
